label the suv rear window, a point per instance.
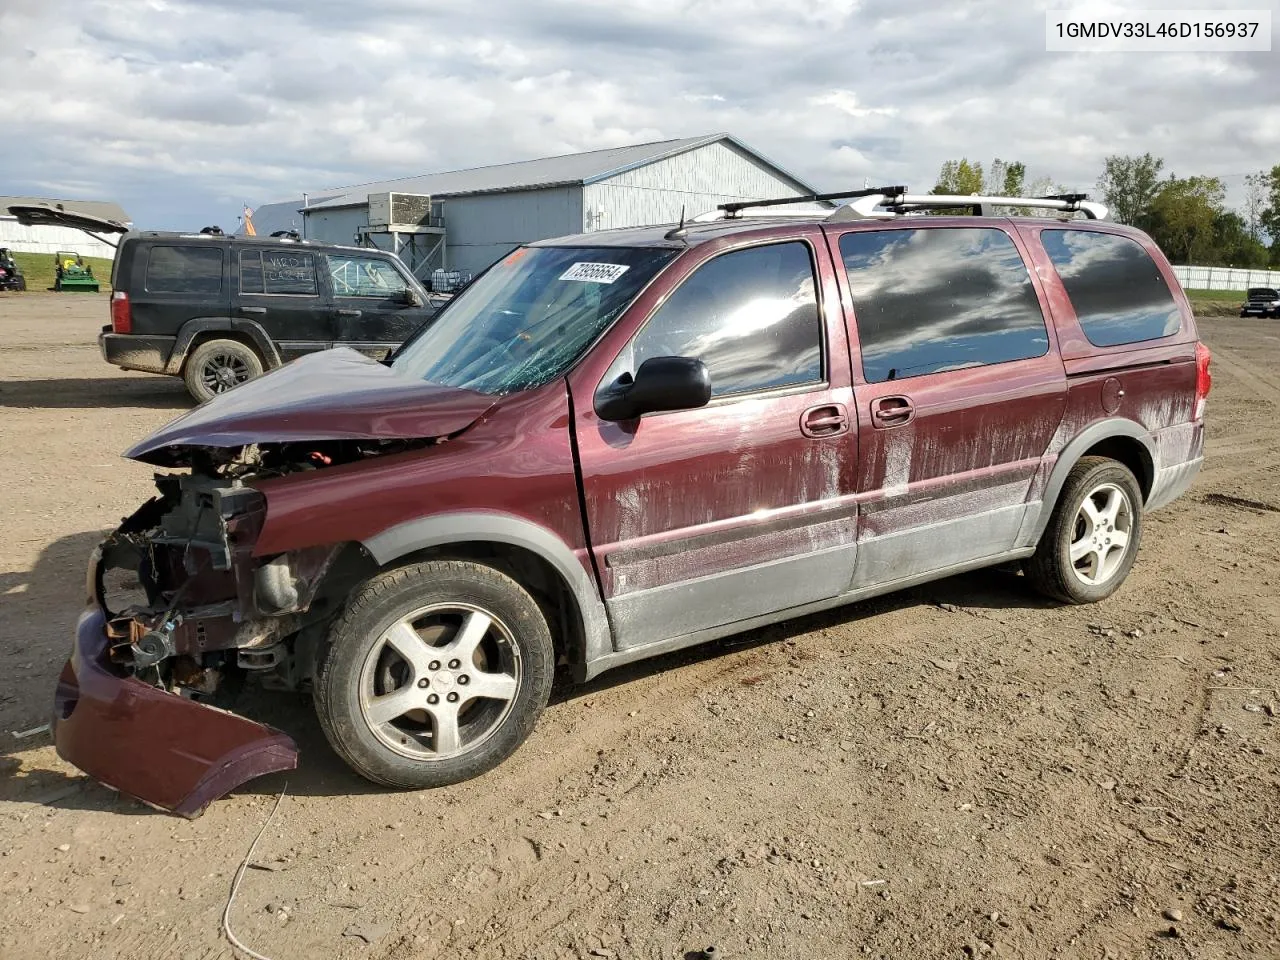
(1116, 290)
(940, 298)
(184, 270)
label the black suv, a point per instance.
(218, 310)
(1260, 302)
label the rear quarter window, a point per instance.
(195, 270)
(1115, 287)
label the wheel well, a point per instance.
(204, 336)
(1132, 454)
(544, 583)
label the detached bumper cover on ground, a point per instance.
(171, 752)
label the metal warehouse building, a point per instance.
(466, 219)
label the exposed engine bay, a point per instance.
(188, 605)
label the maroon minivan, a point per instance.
(617, 444)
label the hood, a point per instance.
(333, 395)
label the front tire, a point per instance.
(434, 674)
(217, 366)
(1092, 539)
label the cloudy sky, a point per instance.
(181, 110)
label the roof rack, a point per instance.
(888, 205)
(734, 208)
(883, 203)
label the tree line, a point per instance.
(1187, 216)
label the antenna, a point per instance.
(678, 232)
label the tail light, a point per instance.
(1204, 379)
(121, 313)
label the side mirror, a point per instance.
(410, 298)
(661, 383)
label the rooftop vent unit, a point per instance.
(403, 212)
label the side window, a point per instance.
(1114, 286)
(751, 316)
(364, 277)
(184, 270)
(939, 299)
(251, 271)
(278, 272)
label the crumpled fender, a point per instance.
(166, 750)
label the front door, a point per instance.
(279, 290)
(372, 313)
(961, 392)
(707, 517)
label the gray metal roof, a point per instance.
(571, 169)
(104, 209)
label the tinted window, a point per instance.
(751, 316)
(364, 277)
(940, 299)
(1116, 290)
(184, 270)
(278, 272)
(250, 271)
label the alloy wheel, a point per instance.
(1100, 536)
(440, 681)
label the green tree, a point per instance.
(1129, 186)
(1269, 217)
(1183, 215)
(1233, 244)
(959, 177)
(1005, 179)
(1257, 186)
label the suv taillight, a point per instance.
(1204, 379)
(121, 313)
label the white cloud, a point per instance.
(181, 110)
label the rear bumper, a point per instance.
(1172, 482)
(131, 351)
(171, 752)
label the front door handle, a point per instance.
(891, 411)
(828, 420)
(348, 313)
(256, 311)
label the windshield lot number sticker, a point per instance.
(595, 272)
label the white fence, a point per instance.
(1226, 278)
(46, 239)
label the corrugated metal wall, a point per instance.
(697, 180)
(478, 229)
(334, 226)
(482, 228)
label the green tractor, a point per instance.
(73, 273)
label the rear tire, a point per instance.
(1092, 539)
(217, 366)
(435, 673)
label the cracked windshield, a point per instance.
(528, 319)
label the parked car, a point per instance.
(219, 310)
(614, 445)
(11, 277)
(1261, 302)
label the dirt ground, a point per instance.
(958, 770)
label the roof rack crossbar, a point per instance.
(889, 205)
(731, 208)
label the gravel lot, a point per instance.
(957, 770)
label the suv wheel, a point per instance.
(1092, 539)
(435, 673)
(216, 366)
